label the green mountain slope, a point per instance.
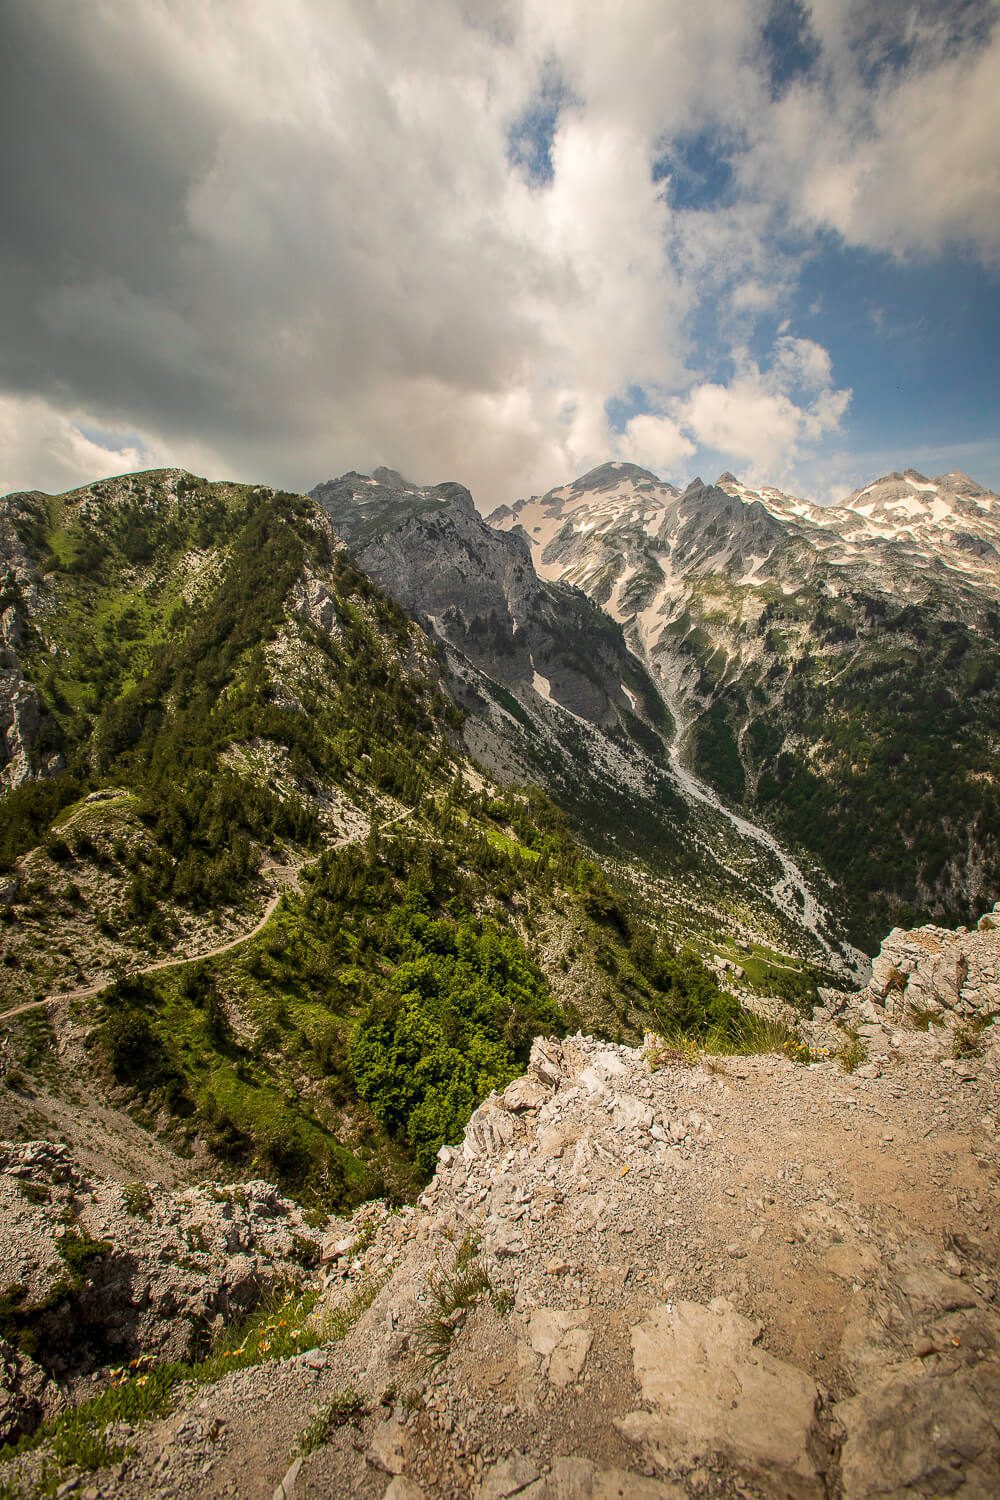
(283, 919)
(867, 732)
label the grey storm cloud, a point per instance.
(279, 240)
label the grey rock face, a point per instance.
(25, 1394)
(551, 692)
(168, 1264)
(935, 980)
(22, 712)
(477, 590)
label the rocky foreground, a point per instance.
(640, 1275)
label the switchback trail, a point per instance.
(287, 877)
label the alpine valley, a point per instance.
(341, 831)
(832, 671)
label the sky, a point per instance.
(499, 241)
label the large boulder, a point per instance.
(712, 1390)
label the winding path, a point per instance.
(287, 877)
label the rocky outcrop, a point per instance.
(26, 1393)
(21, 717)
(92, 1270)
(953, 976)
(635, 1275)
(22, 712)
(933, 988)
(638, 1278)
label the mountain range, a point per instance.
(291, 778)
(254, 887)
(833, 670)
(522, 872)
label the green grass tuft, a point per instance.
(967, 1041)
(345, 1407)
(746, 1035)
(853, 1053)
(453, 1292)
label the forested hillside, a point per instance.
(231, 720)
(867, 733)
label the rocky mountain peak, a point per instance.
(391, 479)
(360, 506)
(961, 484)
(614, 473)
(909, 503)
(458, 496)
(474, 587)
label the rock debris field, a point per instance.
(642, 1276)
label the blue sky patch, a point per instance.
(789, 45)
(530, 137)
(699, 167)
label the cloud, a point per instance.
(655, 442)
(315, 236)
(900, 158)
(52, 449)
(765, 418)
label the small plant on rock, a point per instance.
(305, 1251)
(35, 1192)
(79, 1250)
(853, 1053)
(968, 1039)
(452, 1293)
(138, 1200)
(344, 1408)
(922, 1017)
(196, 1237)
(661, 1051)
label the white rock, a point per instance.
(387, 1447)
(713, 1390)
(579, 1479)
(631, 1113)
(510, 1476)
(402, 1488)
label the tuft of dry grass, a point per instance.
(750, 1035)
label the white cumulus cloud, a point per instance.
(765, 418)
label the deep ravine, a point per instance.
(791, 891)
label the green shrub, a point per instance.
(453, 1021)
(138, 1199)
(343, 1408)
(79, 1250)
